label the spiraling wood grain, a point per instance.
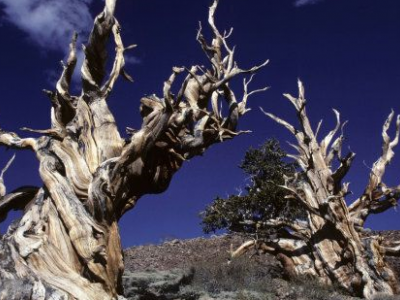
(331, 244)
(67, 244)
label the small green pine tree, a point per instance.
(263, 199)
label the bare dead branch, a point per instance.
(12, 140)
(67, 244)
(370, 202)
(3, 189)
(247, 94)
(16, 200)
(93, 68)
(333, 229)
(64, 82)
(281, 122)
(327, 140)
(391, 250)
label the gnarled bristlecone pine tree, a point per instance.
(330, 243)
(67, 244)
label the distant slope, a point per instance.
(199, 269)
(185, 253)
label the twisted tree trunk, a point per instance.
(67, 244)
(331, 244)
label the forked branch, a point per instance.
(377, 197)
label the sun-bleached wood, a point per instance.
(331, 243)
(67, 244)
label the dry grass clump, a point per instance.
(217, 274)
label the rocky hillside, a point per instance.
(200, 269)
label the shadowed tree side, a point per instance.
(67, 244)
(327, 241)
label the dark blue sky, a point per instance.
(345, 51)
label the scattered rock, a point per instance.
(164, 272)
(155, 284)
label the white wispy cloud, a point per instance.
(49, 23)
(299, 3)
(132, 60)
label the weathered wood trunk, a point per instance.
(330, 244)
(67, 244)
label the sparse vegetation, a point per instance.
(217, 274)
(206, 273)
(302, 215)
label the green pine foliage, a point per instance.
(264, 198)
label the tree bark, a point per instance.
(67, 244)
(331, 244)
